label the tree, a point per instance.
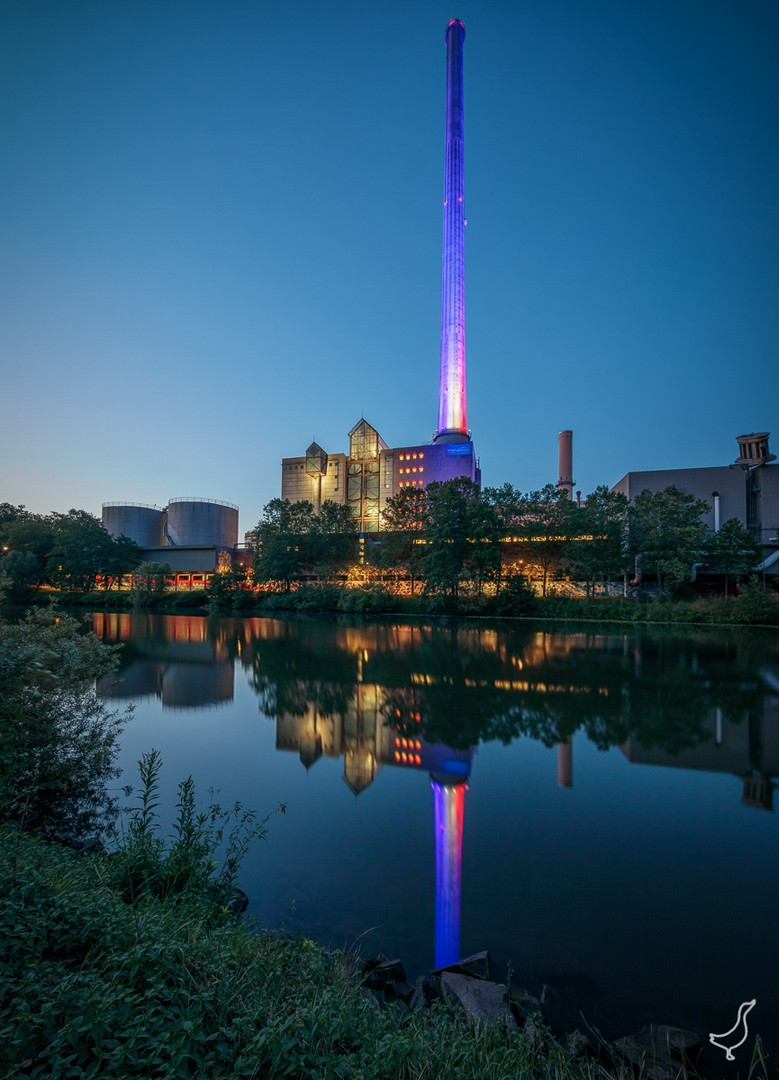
(149, 580)
(507, 505)
(546, 523)
(8, 514)
(401, 528)
(282, 552)
(332, 539)
(461, 536)
(225, 584)
(82, 549)
(667, 534)
(598, 544)
(19, 570)
(123, 557)
(733, 551)
(296, 541)
(34, 535)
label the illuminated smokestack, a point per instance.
(565, 461)
(452, 421)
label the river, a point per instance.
(594, 806)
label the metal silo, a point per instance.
(142, 523)
(202, 523)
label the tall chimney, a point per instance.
(565, 461)
(452, 421)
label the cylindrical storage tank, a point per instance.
(143, 524)
(202, 523)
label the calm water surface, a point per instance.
(595, 808)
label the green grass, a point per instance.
(93, 986)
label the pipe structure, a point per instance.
(565, 461)
(715, 497)
(452, 420)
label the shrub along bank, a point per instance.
(754, 606)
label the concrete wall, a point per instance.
(184, 560)
(730, 482)
(767, 478)
(297, 485)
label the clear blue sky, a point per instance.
(220, 233)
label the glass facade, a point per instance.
(362, 487)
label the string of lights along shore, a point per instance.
(452, 411)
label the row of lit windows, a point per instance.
(412, 468)
(411, 483)
(408, 457)
(412, 716)
(407, 759)
(408, 744)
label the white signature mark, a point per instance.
(729, 1040)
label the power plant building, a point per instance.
(747, 490)
(372, 471)
(194, 536)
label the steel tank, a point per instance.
(142, 523)
(202, 523)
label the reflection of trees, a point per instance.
(460, 685)
(468, 697)
(290, 675)
(680, 679)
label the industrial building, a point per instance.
(747, 489)
(372, 471)
(194, 536)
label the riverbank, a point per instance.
(90, 943)
(754, 606)
(177, 986)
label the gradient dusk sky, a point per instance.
(221, 224)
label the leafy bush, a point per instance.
(187, 600)
(369, 600)
(58, 738)
(143, 864)
(515, 598)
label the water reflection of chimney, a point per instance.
(449, 773)
(565, 764)
(449, 806)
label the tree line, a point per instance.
(446, 538)
(70, 551)
(453, 536)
